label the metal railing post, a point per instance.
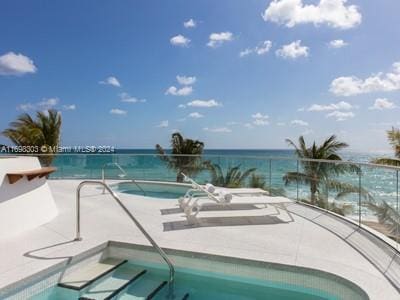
(297, 182)
(78, 236)
(78, 214)
(397, 207)
(359, 196)
(270, 177)
(103, 177)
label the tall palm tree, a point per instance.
(320, 176)
(393, 136)
(185, 156)
(234, 177)
(42, 132)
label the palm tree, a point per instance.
(393, 136)
(234, 177)
(257, 181)
(42, 133)
(320, 175)
(388, 216)
(186, 156)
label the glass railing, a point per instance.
(363, 194)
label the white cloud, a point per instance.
(334, 13)
(293, 50)
(190, 23)
(44, 104)
(48, 103)
(179, 40)
(261, 49)
(111, 81)
(340, 116)
(117, 111)
(184, 91)
(16, 64)
(125, 97)
(218, 129)
(186, 80)
(26, 106)
(195, 115)
(259, 116)
(245, 52)
(299, 123)
(342, 105)
(352, 85)
(217, 39)
(163, 124)
(204, 103)
(69, 107)
(337, 44)
(260, 122)
(260, 119)
(181, 106)
(381, 104)
(249, 125)
(232, 123)
(281, 124)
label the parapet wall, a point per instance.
(25, 204)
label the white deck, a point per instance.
(257, 236)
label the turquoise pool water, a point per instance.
(155, 190)
(200, 286)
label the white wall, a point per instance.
(25, 204)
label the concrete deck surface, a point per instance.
(252, 234)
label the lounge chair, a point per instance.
(199, 197)
(218, 194)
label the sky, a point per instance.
(241, 74)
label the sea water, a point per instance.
(272, 165)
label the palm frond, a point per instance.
(344, 189)
(186, 155)
(294, 177)
(387, 161)
(45, 130)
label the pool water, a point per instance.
(200, 286)
(153, 189)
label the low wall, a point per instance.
(25, 204)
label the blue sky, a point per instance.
(251, 73)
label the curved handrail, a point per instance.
(134, 220)
(103, 177)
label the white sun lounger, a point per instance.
(218, 194)
(194, 203)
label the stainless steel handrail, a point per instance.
(134, 220)
(103, 177)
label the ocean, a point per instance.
(272, 165)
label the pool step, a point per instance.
(186, 296)
(86, 275)
(115, 279)
(145, 289)
(179, 294)
(111, 286)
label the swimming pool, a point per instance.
(198, 285)
(201, 277)
(153, 189)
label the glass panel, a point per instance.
(380, 210)
(334, 186)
